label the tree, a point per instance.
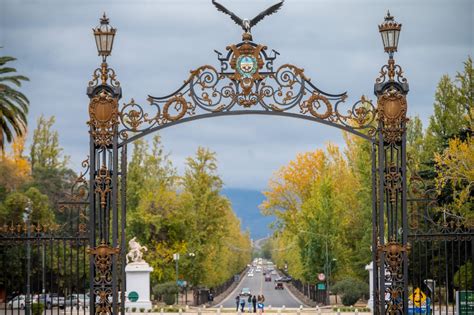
(455, 168)
(15, 170)
(322, 201)
(48, 165)
(13, 103)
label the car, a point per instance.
(286, 279)
(18, 301)
(279, 286)
(245, 292)
(274, 272)
(250, 274)
(81, 300)
(50, 300)
(268, 278)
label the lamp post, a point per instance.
(390, 32)
(26, 220)
(391, 88)
(104, 35)
(176, 259)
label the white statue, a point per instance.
(135, 254)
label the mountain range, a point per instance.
(245, 203)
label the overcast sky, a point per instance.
(158, 42)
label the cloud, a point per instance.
(158, 42)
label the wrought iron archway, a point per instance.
(247, 82)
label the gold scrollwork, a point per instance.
(103, 114)
(314, 103)
(393, 254)
(104, 73)
(103, 261)
(180, 105)
(102, 185)
(392, 110)
(393, 181)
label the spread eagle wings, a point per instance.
(274, 8)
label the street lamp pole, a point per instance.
(176, 259)
(26, 219)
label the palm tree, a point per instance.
(13, 104)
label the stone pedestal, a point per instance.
(138, 280)
(370, 269)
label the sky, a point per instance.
(159, 42)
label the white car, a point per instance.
(250, 274)
(17, 302)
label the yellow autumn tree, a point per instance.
(456, 170)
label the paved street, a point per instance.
(257, 285)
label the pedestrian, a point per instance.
(260, 305)
(242, 305)
(254, 302)
(237, 302)
(249, 301)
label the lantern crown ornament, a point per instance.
(104, 37)
(390, 31)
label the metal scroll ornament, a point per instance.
(103, 276)
(246, 81)
(394, 255)
(103, 118)
(392, 111)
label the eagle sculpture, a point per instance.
(247, 24)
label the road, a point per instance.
(257, 285)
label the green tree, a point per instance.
(49, 166)
(13, 103)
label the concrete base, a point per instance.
(138, 280)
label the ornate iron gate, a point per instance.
(248, 82)
(441, 258)
(46, 263)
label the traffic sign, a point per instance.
(133, 296)
(321, 277)
(321, 286)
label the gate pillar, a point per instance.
(390, 229)
(104, 92)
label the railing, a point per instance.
(201, 295)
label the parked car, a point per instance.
(245, 292)
(51, 300)
(279, 286)
(81, 300)
(18, 301)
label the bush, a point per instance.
(142, 310)
(166, 291)
(351, 290)
(134, 309)
(37, 308)
(168, 299)
(463, 277)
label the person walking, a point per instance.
(249, 301)
(237, 302)
(260, 305)
(242, 305)
(254, 303)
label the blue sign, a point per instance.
(423, 309)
